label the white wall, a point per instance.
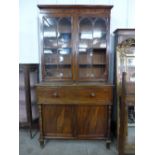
(28, 50)
(91, 2)
(122, 16)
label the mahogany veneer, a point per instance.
(74, 96)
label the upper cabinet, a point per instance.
(74, 42)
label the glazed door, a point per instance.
(57, 48)
(92, 48)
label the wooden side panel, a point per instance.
(57, 120)
(92, 121)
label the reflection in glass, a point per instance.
(130, 139)
(47, 51)
(86, 28)
(61, 59)
(126, 59)
(49, 27)
(65, 51)
(64, 31)
(50, 32)
(99, 33)
(57, 47)
(131, 62)
(85, 32)
(92, 41)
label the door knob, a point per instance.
(92, 95)
(55, 94)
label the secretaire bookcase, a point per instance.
(74, 95)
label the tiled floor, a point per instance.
(29, 146)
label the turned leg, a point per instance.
(41, 143)
(108, 142)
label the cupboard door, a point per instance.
(57, 47)
(57, 120)
(92, 48)
(91, 121)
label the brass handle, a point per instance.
(55, 94)
(92, 94)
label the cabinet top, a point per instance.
(75, 6)
(74, 84)
(124, 31)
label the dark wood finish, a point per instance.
(109, 128)
(41, 138)
(26, 84)
(28, 96)
(92, 121)
(123, 147)
(76, 106)
(125, 87)
(123, 117)
(67, 94)
(125, 101)
(78, 11)
(57, 120)
(75, 7)
(125, 31)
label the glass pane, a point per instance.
(130, 139)
(92, 48)
(50, 32)
(65, 62)
(64, 32)
(131, 69)
(85, 32)
(91, 63)
(50, 56)
(57, 47)
(58, 63)
(99, 33)
(85, 62)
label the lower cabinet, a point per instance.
(66, 121)
(69, 113)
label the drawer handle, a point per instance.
(55, 94)
(92, 94)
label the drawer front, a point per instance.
(49, 95)
(94, 94)
(75, 94)
(47, 92)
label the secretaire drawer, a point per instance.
(74, 94)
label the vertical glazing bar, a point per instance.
(57, 73)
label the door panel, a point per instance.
(57, 120)
(92, 121)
